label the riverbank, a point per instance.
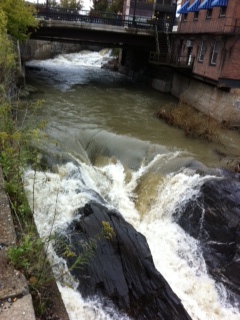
(15, 299)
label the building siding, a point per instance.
(225, 30)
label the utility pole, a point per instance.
(154, 8)
(47, 7)
(134, 12)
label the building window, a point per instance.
(185, 17)
(202, 51)
(195, 17)
(209, 14)
(223, 11)
(216, 49)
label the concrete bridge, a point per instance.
(97, 33)
(102, 31)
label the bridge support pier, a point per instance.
(133, 62)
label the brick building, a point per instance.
(208, 40)
(146, 9)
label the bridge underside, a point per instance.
(95, 34)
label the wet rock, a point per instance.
(121, 269)
(214, 219)
(110, 65)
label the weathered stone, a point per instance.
(7, 231)
(221, 105)
(15, 300)
(122, 268)
(214, 219)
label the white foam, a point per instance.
(176, 255)
(91, 309)
(71, 60)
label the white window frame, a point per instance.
(202, 51)
(216, 49)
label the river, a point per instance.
(105, 142)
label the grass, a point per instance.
(198, 125)
(194, 123)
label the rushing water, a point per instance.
(105, 143)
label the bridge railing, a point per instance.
(124, 21)
(105, 18)
(184, 61)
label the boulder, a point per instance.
(214, 219)
(121, 269)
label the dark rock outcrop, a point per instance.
(214, 219)
(121, 269)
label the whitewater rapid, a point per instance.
(146, 195)
(176, 255)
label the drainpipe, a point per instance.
(47, 8)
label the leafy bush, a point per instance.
(17, 17)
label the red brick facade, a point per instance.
(213, 42)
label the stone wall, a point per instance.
(41, 50)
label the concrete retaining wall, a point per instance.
(221, 105)
(161, 85)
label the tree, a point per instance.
(7, 56)
(105, 6)
(116, 6)
(52, 3)
(71, 4)
(100, 5)
(19, 16)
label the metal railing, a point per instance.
(106, 18)
(185, 62)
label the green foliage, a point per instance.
(18, 17)
(29, 257)
(26, 255)
(52, 3)
(115, 52)
(107, 231)
(3, 21)
(100, 5)
(7, 56)
(71, 4)
(103, 6)
(87, 247)
(15, 154)
(116, 6)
